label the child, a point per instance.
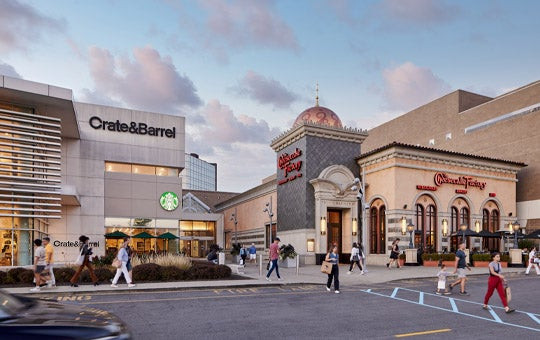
(441, 284)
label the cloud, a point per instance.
(223, 127)
(8, 70)
(409, 86)
(148, 81)
(417, 12)
(230, 25)
(21, 26)
(265, 90)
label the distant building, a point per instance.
(199, 174)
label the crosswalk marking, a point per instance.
(454, 309)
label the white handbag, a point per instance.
(80, 259)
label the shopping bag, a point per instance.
(80, 259)
(116, 263)
(326, 267)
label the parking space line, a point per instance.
(421, 298)
(454, 310)
(534, 317)
(495, 316)
(423, 333)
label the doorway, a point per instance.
(334, 229)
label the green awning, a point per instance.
(116, 234)
(144, 234)
(168, 236)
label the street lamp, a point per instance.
(233, 218)
(444, 227)
(463, 227)
(516, 227)
(268, 210)
(410, 229)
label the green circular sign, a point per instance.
(168, 201)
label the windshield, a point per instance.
(9, 305)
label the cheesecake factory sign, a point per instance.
(290, 166)
(441, 178)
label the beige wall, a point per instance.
(250, 213)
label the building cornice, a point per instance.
(318, 130)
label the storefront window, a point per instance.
(196, 237)
(117, 167)
(143, 170)
(377, 229)
(16, 239)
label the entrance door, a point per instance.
(334, 229)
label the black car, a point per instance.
(27, 318)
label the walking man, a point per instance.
(49, 252)
(252, 253)
(274, 256)
(461, 264)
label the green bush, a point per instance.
(481, 257)
(522, 244)
(505, 258)
(3, 277)
(63, 274)
(104, 273)
(448, 257)
(287, 252)
(235, 250)
(431, 257)
(147, 272)
(402, 256)
(20, 275)
(26, 276)
(172, 273)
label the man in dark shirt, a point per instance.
(461, 264)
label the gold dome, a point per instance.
(319, 115)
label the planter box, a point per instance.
(504, 264)
(449, 264)
(401, 262)
(482, 264)
(288, 263)
(431, 263)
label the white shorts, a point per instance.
(252, 256)
(441, 285)
(461, 273)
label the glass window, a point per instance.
(144, 170)
(117, 222)
(142, 223)
(117, 167)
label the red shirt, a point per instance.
(274, 251)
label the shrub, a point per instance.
(3, 277)
(505, 258)
(529, 244)
(431, 257)
(20, 275)
(235, 250)
(164, 260)
(448, 257)
(172, 273)
(287, 252)
(63, 274)
(27, 276)
(104, 260)
(402, 256)
(147, 272)
(481, 257)
(104, 273)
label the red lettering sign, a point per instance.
(441, 178)
(426, 187)
(492, 194)
(285, 163)
(461, 191)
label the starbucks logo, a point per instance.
(168, 201)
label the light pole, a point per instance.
(410, 228)
(407, 228)
(360, 197)
(463, 227)
(268, 209)
(516, 227)
(233, 218)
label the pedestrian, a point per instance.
(460, 266)
(441, 283)
(495, 281)
(356, 258)
(39, 265)
(243, 255)
(130, 253)
(49, 260)
(363, 257)
(532, 263)
(252, 253)
(124, 258)
(394, 253)
(85, 251)
(333, 258)
(274, 256)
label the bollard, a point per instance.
(297, 264)
(260, 264)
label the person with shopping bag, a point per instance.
(496, 281)
(83, 260)
(120, 262)
(333, 258)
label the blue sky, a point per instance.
(241, 71)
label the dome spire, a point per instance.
(317, 95)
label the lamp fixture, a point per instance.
(477, 226)
(444, 227)
(410, 229)
(323, 225)
(511, 227)
(403, 226)
(354, 226)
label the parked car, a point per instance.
(28, 318)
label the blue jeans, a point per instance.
(272, 266)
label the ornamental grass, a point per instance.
(163, 260)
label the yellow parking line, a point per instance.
(423, 333)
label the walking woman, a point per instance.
(495, 281)
(86, 252)
(394, 253)
(124, 258)
(356, 257)
(333, 258)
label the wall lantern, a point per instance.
(310, 244)
(323, 225)
(511, 227)
(477, 226)
(403, 226)
(410, 229)
(444, 227)
(354, 226)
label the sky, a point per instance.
(242, 71)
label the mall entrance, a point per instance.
(334, 218)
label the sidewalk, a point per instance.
(307, 275)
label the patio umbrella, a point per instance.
(144, 235)
(168, 236)
(116, 235)
(534, 235)
(488, 234)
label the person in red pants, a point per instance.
(86, 251)
(495, 281)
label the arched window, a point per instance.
(464, 216)
(494, 221)
(377, 229)
(454, 224)
(430, 234)
(485, 220)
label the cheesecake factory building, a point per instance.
(69, 168)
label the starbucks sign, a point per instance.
(168, 201)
